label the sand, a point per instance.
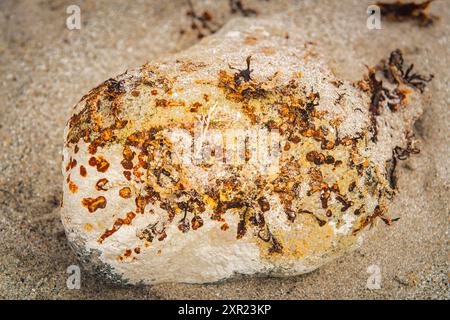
(46, 68)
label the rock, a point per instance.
(244, 155)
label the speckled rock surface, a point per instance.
(40, 60)
(310, 160)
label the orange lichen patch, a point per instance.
(315, 157)
(263, 204)
(117, 225)
(88, 227)
(95, 128)
(127, 153)
(127, 164)
(405, 92)
(336, 122)
(195, 106)
(287, 146)
(101, 184)
(316, 174)
(83, 171)
(365, 164)
(106, 134)
(103, 165)
(240, 87)
(327, 144)
(135, 93)
(93, 204)
(138, 175)
(363, 85)
(92, 161)
(268, 51)
(190, 66)
(73, 187)
(197, 222)
(92, 149)
(224, 227)
(141, 203)
(71, 164)
(99, 162)
(127, 174)
(164, 103)
(143, 160)
(250, 40)
(311, 239)
(125, 192)
(127, 253)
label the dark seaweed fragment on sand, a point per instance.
(402, 11)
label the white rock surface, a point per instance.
(138, 208)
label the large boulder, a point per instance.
(243, 155)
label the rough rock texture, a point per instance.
(45, 68)
(144, 195)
